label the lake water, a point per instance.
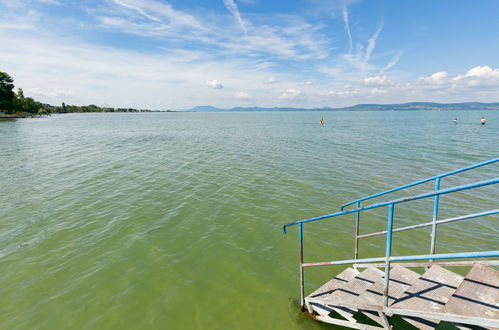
(173, 220)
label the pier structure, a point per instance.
(370, 291)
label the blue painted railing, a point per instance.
(436, 178)
(389, 232)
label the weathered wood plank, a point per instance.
(478, 294)
(401, 279)
(337, 281)
(350, 292)
(327, 289)
(327, 319)
(429, 293)
(438, 292)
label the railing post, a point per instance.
(435, 218)
(302, 288)
(357, 223)
(389, 232)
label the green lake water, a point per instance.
(173, 220)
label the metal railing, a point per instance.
(436, 178)
(388, 258)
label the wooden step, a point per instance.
(429, 293)
(349, 292)
(478, 294)
(328, 288)
(401, 279)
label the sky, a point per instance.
(177, 54)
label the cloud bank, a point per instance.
(152, 54)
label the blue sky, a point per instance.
(163, 54)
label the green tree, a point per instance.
(6, 92)
(30, 105)
(25, 104)
(20, 94)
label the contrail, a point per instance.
(232, 7)
(347, 28)
(138, 9)
(371, 43)
(392, 62)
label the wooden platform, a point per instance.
(422, 300)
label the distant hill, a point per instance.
(423, 106)
(412, 106)
(278, 109)
(205, 108)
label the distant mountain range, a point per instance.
(413, 106)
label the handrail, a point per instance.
(390, 230)
(439, 222)
(491, 161)
(396, 201)
(437, 179)
(459, 255)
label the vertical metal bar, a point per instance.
(435, 217)
(389, 231)
(357, 223)
(302, 288)
(384, 321)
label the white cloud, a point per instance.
(270, 81)
(291, 93)
(65, 70)
(438, 78)
(376, 81)
(293, 39)
(181, 49)
(483, 72)
(242, 95)
(16, 26)
(160, 12)
(378, 91)
(54, 93)
(289, 36)
(478, 84)
(232, 7)
(479, 76)
(349, 92)
(215, 84)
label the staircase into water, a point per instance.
(371, 291)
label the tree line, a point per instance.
(15, 103)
